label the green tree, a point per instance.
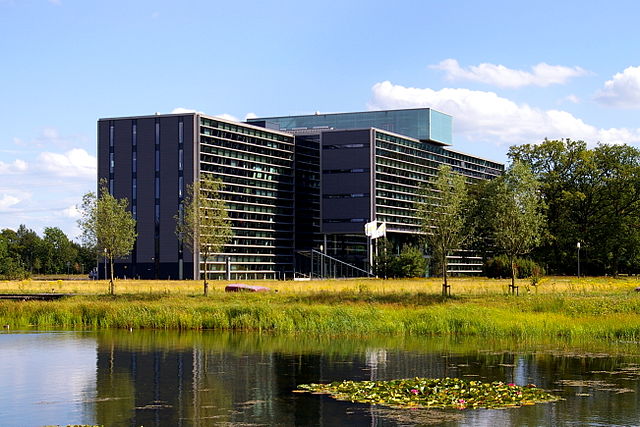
(593, 196)
(516, 213)
(60, 252)
(442, 213)
(29, 249)
(86, 258)
(203, 224)
(108, 226)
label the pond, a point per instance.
(158, 378)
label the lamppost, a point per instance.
(578, 246)
(105, 263)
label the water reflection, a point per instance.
(156, 378)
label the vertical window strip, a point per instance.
(111, 155)
(156, 212)
(180, 185)
(134, 190)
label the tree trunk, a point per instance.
(445, 284)
(513, 275)
(112, 289)
(206, 284)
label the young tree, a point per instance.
(108, 226)
(203, 224)
(442, 216)
(516, 213)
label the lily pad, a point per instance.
(433, 393)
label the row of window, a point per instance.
(258, 208)
(231, 197)
(355, 170)
(344, 146)
(246, 139)
(241, 164)
(241, 155)
(206, 142)
(245, 130)
(216, 168)
(346, 196)
(430, 151)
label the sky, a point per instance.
(508, 72)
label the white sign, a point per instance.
(372, 230)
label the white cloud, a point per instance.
(226, 116)
(485, 116)
(181, 110)
(71, 212)
(623, 90)
(250, 116)
(571, 98)
(74, 163)
(13, 168)
(7, 200)
(499, 75)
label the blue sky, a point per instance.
(508, 72)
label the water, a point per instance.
(121, 378)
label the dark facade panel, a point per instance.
(103, 149)
(168, 189)
(146, 190)
(122, 160)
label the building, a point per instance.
(292, 184)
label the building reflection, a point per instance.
(197, 379)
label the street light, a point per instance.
(578, 246)
(105, 263)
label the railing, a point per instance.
(323, 266)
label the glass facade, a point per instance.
(424, 124)
(404, 164)
(256, 168)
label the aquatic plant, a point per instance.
(433, 393)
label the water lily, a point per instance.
(452, 393)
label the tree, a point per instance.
(60, 252)
(516, 213)
(202, 224)
(593, 197)
(29, 249)
(442, 216)
(108, 226)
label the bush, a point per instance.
(409, 263)
(499, 268)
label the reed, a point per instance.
(612, 312)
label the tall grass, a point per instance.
(460, 286)
(596, 315)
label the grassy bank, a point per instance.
(578, 309)
(460, 286)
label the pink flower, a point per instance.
(511, 385)
(461, 401)
(414, 391)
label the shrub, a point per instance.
(409, 263)
(499, 268)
